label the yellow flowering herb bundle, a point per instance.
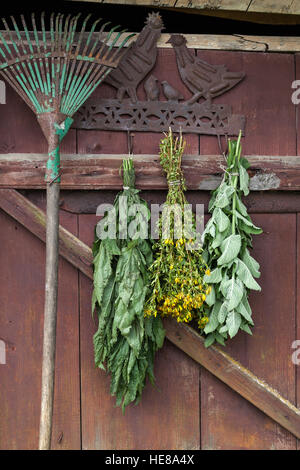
(176, 274)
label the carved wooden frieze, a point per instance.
(197, 115)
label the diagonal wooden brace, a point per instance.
(214, 359)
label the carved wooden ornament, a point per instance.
(197, 115)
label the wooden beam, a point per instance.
(225, 42)
(213, 359)
(26, 171)
(236, 376)
(34, 219)
(290, 7)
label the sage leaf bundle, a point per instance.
(125, 342)
(227, 239)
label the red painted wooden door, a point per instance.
(189, 408)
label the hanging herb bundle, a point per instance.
(227, 239)
(125, 341)
(177, 286)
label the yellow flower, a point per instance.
(207, 272)
(171, 266)
(203, 296)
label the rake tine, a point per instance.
(20, 77)
(70, 31)
(81, 72)
(119, 53)
(88, 92)
(76, 77)
(46, 60)
(25, 65)
(95, 77)
(89, 39)
(112, 53)
(65, 59)
(75, 54)
(11, 38)
(104, 45)
(58, 33)
(45, 89)
(38, 82)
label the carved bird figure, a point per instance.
(152, 88)
(138, 60)
(200, 77)
(171, 93)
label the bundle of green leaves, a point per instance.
(226, 241)
(125, 341)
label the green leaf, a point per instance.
(209, 228)
(234, 293)
(209, 340)
(221, 219)
(233, 321)
(244, 180)
(223, 311)
(211, 297)
(244, 274)
(214, 277)
(212, 200)
(245, 163)
(224, 194)
(219, 238)
(213, 319)
(245, 327)
(242, 310)
(223, 329)
(251, 263)
(247, 225)
(159, 332)
(220, 338)
(241, 207)
(223, 287)
(102, 270)
(230, 249)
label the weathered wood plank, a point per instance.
(264, 97)
(102, 172)
(214, 359)
(290, 7)
(274, 319)
(296, 348)
(239, 378)
(223, 42)
(221, 5)
(275, 6)
(20, 131)
(21, 326)
(168, 415)
(33, 218)
(86, 202)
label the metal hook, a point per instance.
(130, 143)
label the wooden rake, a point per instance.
(55, 69)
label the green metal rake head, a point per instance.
(56, 70)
